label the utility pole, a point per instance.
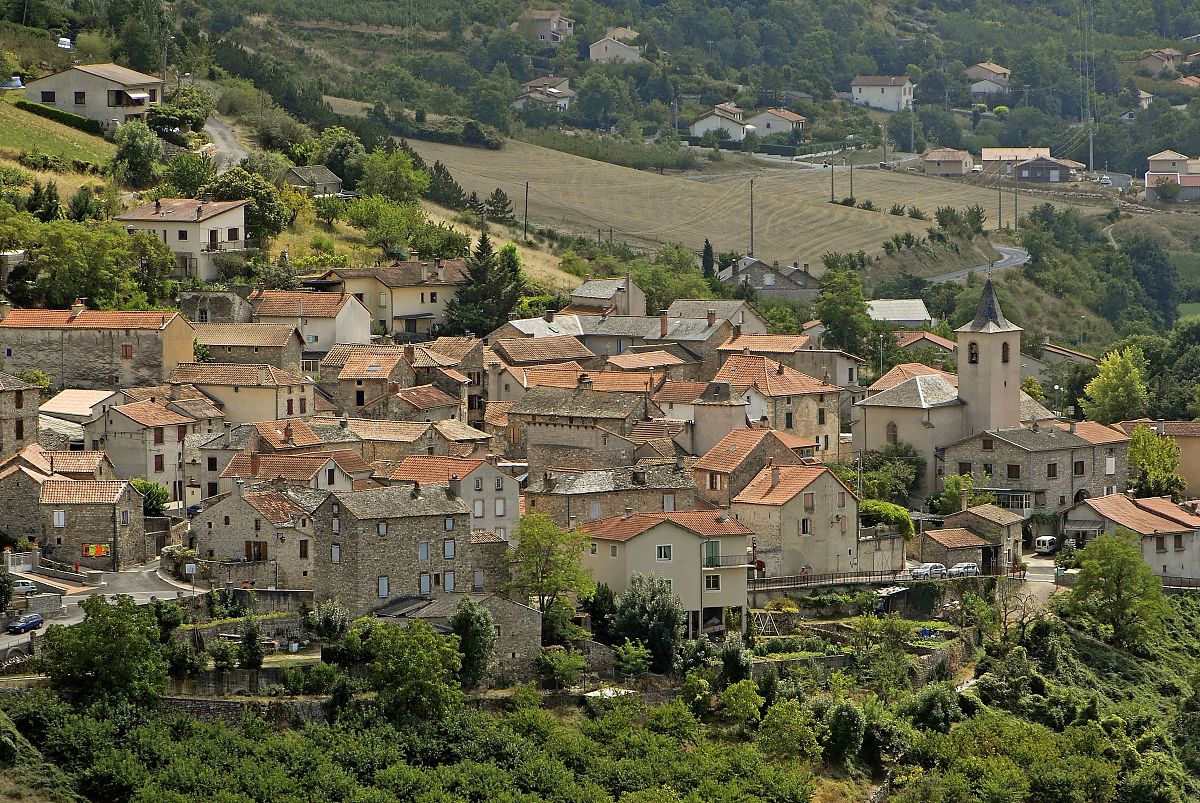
(999, 200)
(1016, 215)
(831, 168)
(597, 238)
(166, 43)
(883, 141)
(912, 128)
(610, 239)
(851, 176)
(526, 234)
(751, 217)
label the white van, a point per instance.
(1045, 544)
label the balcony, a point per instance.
(726, 561)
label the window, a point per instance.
(1160, 543)
(500, 507)
(805, 526)
(124, 516)
(1004, 348)
(714, 481)
(449, 524)
(19, 429)
(212, 489)
(424, 583)
(502, 532)
(973, 353)
(80, 98)
(158, 435)
(499, 483)
(612, 550)
(202, 316)
(1078, 469)
(449, 581)
(1014, 471)
(182, 235)
(433, 298)
(258, 525)
(668, 503)
(423, 551)
(987, 469)
(964, 468)
(591, 549)
(593, 510)
(479, 483)
(180, 433)
(158, 462)
(381, 528)
(290, 407)
(1051, 471)
(48, 97)
(422, 298)
(820, 415)
(478, 581)
(337, 524)
(383, 587)
(810, 501)
(841, 498)
(787, 420)
(226, 521)
(987, 444)
(303, 405)
(335, 553)
(1039, 498)
(60, 518)
(330, 476)
(153, 93)
(448, 549)
(712, 582)
(1110, 465)
(662, 553)
(892, 435)
(478, 513)
(1178, 541)
(303, 549)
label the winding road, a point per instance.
(1010, 257)
(229, 151)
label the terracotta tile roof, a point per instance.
(369, 366)
(632, 361)
(767, 344)
(1094, 432)
(178, 210)
(704, 523)
(787, 114)
(82, 492)
(456, 348)
(527, 350)
(793, 441)
(276, 507)
(1121, 510)
(426, 468)
(957, 538)
(676, 392)
(338, 353)
(732, 450)
(424, 357)
(904, 339)
(906, 371)
(427, 397)
(10, 382)
(87, 319)
(653, 429)
(408, 274)
(485, 537)
(792, 480)
(296, 304)
(366, 485)
(495, 413)
(152, 414)
(287, 433)
(163, 393)
(1180, 429)
(771, 378)
(454, 430)
(244, 334)
(75, 462)
(195, 408)
(294, 466)
(1163, 506)
(74, 401)
(554, 377)
(232, 373)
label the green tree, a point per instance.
(632, 658)
(1154, 460)
(329, 209)
(787, 732)
(499, 207)
(476, 632)
(154, 496)
(392, 175)
(489, 103)
(956, 488)
(187, 173)
(601, 607)
(495, 283)
(6, 589)
(846, 728)
(1118, 588)
(328, 621)
(415, 671)
(113, 654)
(650, 612)
(138, 152)
(223, 653)
(443, 189)
(708, 261)
(266, 214)
(842, 308)
(1118, 393)
(560, 668)
(1033, 389)
(741, 705)
(547, 561)
(84, 206)
(251, 652)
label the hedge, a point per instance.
(85, 124)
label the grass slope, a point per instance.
(793, 218)
(20, 130)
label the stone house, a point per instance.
(324, 319)
(98, 523)
(804, 520)
(268, 531)
(404, 298)
(616, 296)
(1168, 534)
(787, 399)
(676, 399)
(524, 351)
(247, 393)
(717, 412)
(94, 349)
(275, 344)
(495, 424)
(18, 413)
(792, 282)
(333, 470)
(987, 69)
(217, 306)
(395, 440)
(197, 232)
(315, 181)
(1044, 469)
(702, 554)
(493, 496)
(573, 496)
(374, 547)
(1161, 60)
(513, 382)
(724, 471)
(997, 525)
(421, 403)
(365, 377)
(109, 92)
(802, 353)
(85, 465)
(952, 545)
(467, 356)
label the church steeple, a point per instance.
(989, 366)
(989, 318)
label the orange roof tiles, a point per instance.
(906, 338)
(231, 373)
(705, 523)
(369, 366)
(293, 466)
(427, 397)
(771, 378)
(676, 392)
(277, 508)
(287, 433)
(1163, 506)
(86, 319)
(179, 210)
(245, 334)
(152, 414)
(1094, 432)
(1124, 512)
(75, 462)
(906, 371)
(769, 344)
(295, 304)
(956, 538)
(541, 349)
(618, 381)
(630, 361)
(456, 348)
(495, 413)
(424, 468)
(792, 480)
(731, 451)
(82, 492)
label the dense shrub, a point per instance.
(80, 122)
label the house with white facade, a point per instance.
(891, 93)
(324, 319)
(774, 121)
(722, 117)
(197, 232)
(609, 51)
(109, 93)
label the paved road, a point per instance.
(229, 151)
(1009, 258)
(141, 583)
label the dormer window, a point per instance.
(973, 353)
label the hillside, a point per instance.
(20, 130)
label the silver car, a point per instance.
(929, 571)
(964, 570)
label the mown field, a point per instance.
(793, 217)
(21, 130)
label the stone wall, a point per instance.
(571, 510)
(285, 713)
(88, 358)
(221, 532)
(121, 527)
(219, 307)
(13, 418)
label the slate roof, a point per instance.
(87, 319)
(568, 481)
(402, 501)
(244, 334)
(697, 308)
(923, 392)
(1043, 439)
(1182, 429)
(897, 309)
(314, 174)
(82, 492)
(178, 210)
(792, 480)
(232, 373)
(645, 327)
(196, 408)
(996, 514)
(956, 538)
(771, 378)
(297, 304)
(117, 73)
(430, 468)
(1069, 353)
(372, 430)
(526, 350)
(601, 289)
(545, 401)
(495, 413)
(988, 318)
(704, 523)
(10, 382)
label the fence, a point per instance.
(849, 578)
(1169, 581)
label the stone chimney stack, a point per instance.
(662, 323)
(712, 317)
(774, 476)
(549, 316)
(254, 464)
(228, 434)
(424, 271)
(455, 486)
(77, 308)
(5, 308)
(287, 433)
(239, 489)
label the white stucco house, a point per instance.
(609, 50)
(891, 93)
(109, 93)
(196, 231)
(772, 121)
(723, 116)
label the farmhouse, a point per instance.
(109, 93)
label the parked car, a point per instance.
(976, 168)
(964, 570)
(885, 165)
(195, 510)
(23, 587)
(929, 571)
(1045, 545)
(30, 621)
(1105, 181)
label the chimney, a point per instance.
(585, 381)
(711, 314)
(549, 316)
(679, 463)
(424, 271)
(737, 330)
(491, 459)
(1072, 427)
(1045, 340)
(345, 422)
(77, 307)
(441, 271)
(5, 308)
(199, 211)
(548, 481)
(254, 464)
(262, 374)
(805, 268)
(774, 476)
(964, 502)
(228, 434)
(779, 368)
(239, 489)
(628, 513)
(662, 323)
(409, 353)
(158, 206)
(455, 486)
(512, 316)
(416, 490)
(414, 255)
(287, 433)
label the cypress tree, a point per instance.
(708, 260)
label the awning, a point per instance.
(411, 317)
(138, 96)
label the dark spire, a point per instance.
(989, 318)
